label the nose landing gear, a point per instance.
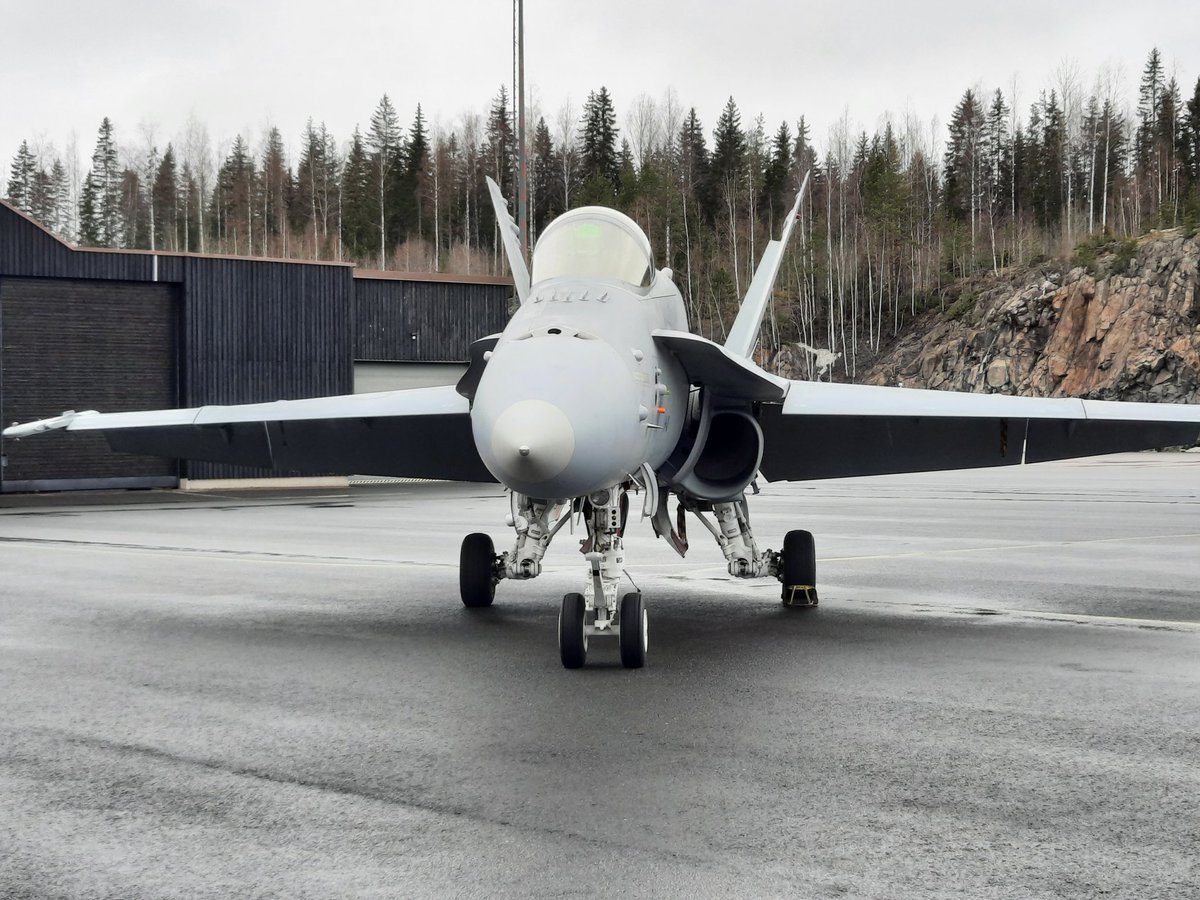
(596, 612)
(577, 624)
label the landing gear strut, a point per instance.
(795, 566)
(596, 611)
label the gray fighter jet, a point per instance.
(596, 390)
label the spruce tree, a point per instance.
(165, 201)
(276, 190)
(384, 140)
(694, 163)
(1148, 147)
(729, 147)
(599, 162)
(774, 199)
(20, 179)
(60, 190)
(963, 163)
(106, 180)
(359, 204)
(42, 201)
(416, 164)
(1191, 136)
(89, 218)
(543, 204)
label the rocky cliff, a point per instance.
(1123, 326)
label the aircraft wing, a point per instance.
(827, 430)
(421, 433)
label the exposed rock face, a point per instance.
(1132, 335)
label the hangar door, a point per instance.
(65, 344)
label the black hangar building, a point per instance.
(119, 330)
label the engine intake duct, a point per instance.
(719, 453)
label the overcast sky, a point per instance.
(240, 66)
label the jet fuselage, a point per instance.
(575, 395)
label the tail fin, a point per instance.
(511, 235)
(744, 333)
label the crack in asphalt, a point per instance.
(454, 811)
(218, 551)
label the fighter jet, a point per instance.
(596, 390)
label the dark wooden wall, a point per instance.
(252, 330)
(68, 344)
(424, 321)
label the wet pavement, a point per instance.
(279, 694)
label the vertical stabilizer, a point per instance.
(510, 233)
(744, 333)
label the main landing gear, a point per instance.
(597, 611)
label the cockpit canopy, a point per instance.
(593, 242)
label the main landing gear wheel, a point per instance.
(572, 638)
(799, 569)
(634, 631)
(476, 583)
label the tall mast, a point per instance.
(522, 165)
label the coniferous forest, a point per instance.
(893, 216)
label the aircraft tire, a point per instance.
(476, 585)
(634, 631)
(572, 639)
(799, 569)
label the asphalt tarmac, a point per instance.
(280, 695)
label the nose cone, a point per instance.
(532, 441)
(557, 417)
